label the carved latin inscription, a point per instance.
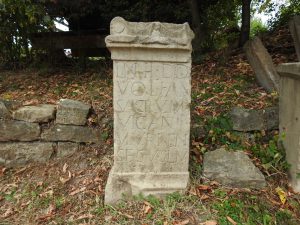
(151, 107)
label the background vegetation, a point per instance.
(217, 23)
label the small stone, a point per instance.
(18, 131)
(233, 169)
(35, 114)
(246, 119)
(251, 119)
(4, 113)
(72, 112)
(66, 149)
(71, 133)
(20, 153)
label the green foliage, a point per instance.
(271, 156)
(257, 27)
(19, 19)
(217, 129)
(286, 12)
(249, 209)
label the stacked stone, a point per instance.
(23, 137)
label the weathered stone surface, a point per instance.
(4, 113)
(20, 153)
(72, 112)
(289, 118)
(246, 119)
(271, 118)
(251, 120)
(11, 104)
(233, 169)
(18, 131)
(35, 114)
(66, 149)
(152, 63)
(294, 26)
(262, 64)
(71, 133)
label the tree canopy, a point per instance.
(216, 22)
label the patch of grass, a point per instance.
(271, 156)
(244, 209)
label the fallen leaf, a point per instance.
(87, 216)
(147, 209)
(77, 191)
(209, 222)
(126, 215)
(282, 194)
(231, 220)
(65, 167)
(31, 102)
(184, 222)
(2, 171)
(64, 180)
(7, 213)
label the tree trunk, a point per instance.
(246, 17)
(194, 7)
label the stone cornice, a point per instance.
(149, 35)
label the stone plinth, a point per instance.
(289, 117)
(152, 64)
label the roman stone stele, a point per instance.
(152, 95)
(289, 118)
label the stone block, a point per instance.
(253, 120)
(152, 65)
(289, 118)
(18, 131)
(246, 119)
(262, 64)
(233, 169)
(20, 153)
(35, 114)
(71, 133)
(66, 149)
(72, 112)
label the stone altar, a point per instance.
(289, 118)
(152, 95)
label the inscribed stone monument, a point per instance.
(289, 118)
(152, 89)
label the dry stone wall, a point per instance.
(37, 133)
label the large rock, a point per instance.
(250, 119)
(4, 113)
(233, 169)
(66, 149)
(294, 26)
(71, 133)
(18, 131)
(20, 153)
(72, 112)
(262, 64)
(35, 114)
